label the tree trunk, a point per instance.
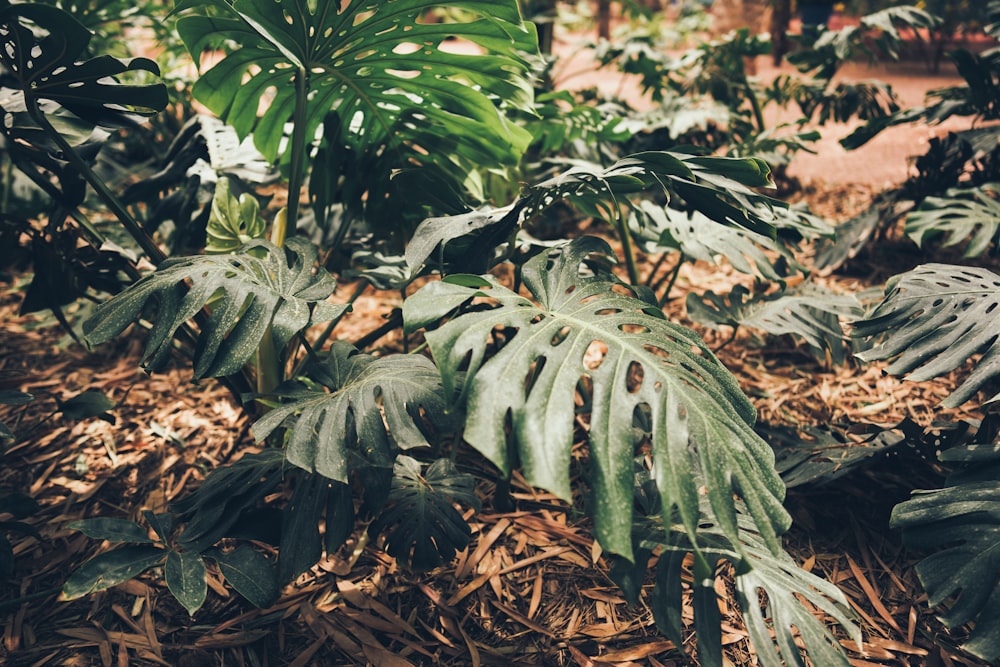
(780, 18)
(604, 19)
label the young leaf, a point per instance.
(370, 63)
(112, 529)
(233, 221)
(422, 528)
(250, 573)
(972, 215)
(932, 320)
(110, 569)
(373, 402)
(279, 290)
(525, 393)
(187, 579)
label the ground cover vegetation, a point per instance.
(424, 149)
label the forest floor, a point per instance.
(532, 588)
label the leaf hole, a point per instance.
(534, 372)
(634, 377)
(633, 328)
(561, 336)
(594, 355)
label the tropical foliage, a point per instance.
(416, 167)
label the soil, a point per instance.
(531, 589)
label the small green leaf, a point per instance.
(91, 403)
(232, 222)
(250, 573)
(110, 569)
(112, 529)
(187, 579)
(162, 524)
(8, 397)
(301, 542)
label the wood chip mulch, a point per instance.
(531, 589)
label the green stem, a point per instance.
(673, 279)
(28, 598)
(729, 340)
(296, 174)
(758, 113)
(131, 225)
(656, 267)
(627, 249)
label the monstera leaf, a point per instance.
(720, 188)
(373, 402)
(245, 294)
(422, 528)
(932, 320)
(697, 236)
(370, 62)
(972, 215)
(53, 66)
(587, 334)
(961, 524)
(807, 311)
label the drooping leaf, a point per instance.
(932, 320)
(370, 62)
(187, 579)
(162, 524)
(719, 188)
(971, 215)
(53, 66)
(421, 526)
(246, 295)
(807, 311)
(960, 523)
(250, 573)
(374, 404)
(112, 529)
(110, 569)
(523, 395)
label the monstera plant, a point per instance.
(363, 99)
(932, 321)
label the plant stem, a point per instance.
(296, 174)
(673, 279)
(131, 225)
(656, 267)
(758, 113)
(627, 249)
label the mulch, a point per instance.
(531, 589)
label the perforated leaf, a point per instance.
(374, 405)
(963, 215)
(932, 320)
(244, 293)
(961, 525)
(807, 311)
(521, 400)
(699, 237)
(373, 63)
(52, 65)
(421, 525)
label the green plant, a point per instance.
(932, 320)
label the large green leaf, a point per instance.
(963, 215)
(375, 64)
(52, 65)
(373, 404)
(112, 529)
(245, 293)
(961, 524)
(521, 400)
(807, 311)
(110, 569)
(932, 320)
(422, 528)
